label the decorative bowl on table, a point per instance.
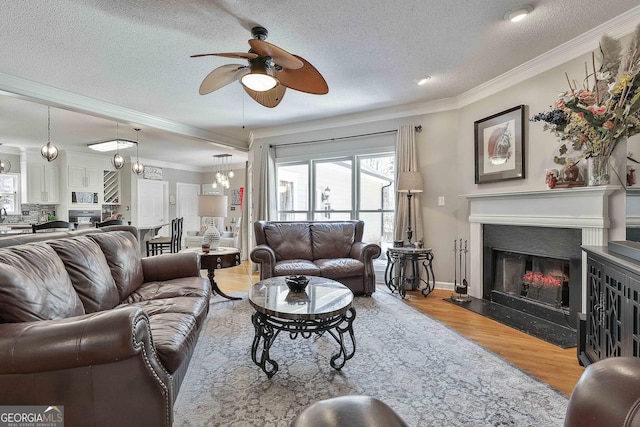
(296, 283)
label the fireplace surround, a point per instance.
(548, 223)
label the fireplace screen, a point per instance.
(540, 279)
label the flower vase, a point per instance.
(598, 170)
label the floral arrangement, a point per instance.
(592, 119)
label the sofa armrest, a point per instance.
(365, 252)
(87, 340)
(170, 266)
(265, 257)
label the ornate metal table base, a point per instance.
(269, 327)
(395, 276)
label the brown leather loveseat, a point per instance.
(331, 249)
(87, 324)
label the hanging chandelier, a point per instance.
(49, 151)
(137, 167)
(223, 172)
(117, 161)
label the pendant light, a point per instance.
(118, 160)
(49, 151)
(5, 166)
(137, 167)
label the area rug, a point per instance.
(429, 374)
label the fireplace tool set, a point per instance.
(460, 288)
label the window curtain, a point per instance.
(266, 206)
(266, 200)
(407, 161)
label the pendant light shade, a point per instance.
(5, 166)
(137, 167)
(49, 151)
(117, 161)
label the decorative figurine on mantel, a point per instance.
(551, 178)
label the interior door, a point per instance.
(153, 205)
(187, 206)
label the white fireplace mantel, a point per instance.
(585, 208)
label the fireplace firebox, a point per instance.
(534, 270)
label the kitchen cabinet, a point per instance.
(41, 183)
(84, 177)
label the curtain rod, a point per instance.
(417, 129)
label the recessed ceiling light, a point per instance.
(424, 80)
(518, 14)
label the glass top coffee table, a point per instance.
(324, 306)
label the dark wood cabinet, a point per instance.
(613, 305)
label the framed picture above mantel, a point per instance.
(499, 146)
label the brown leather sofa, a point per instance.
(607, 394)
(331, 249)
(88, 324)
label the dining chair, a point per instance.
(53, 225)
(157, 245)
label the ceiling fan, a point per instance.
(271, 70)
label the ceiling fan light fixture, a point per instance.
(259, 79)
(518, 14)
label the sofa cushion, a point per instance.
(174, 335)
(121, 250)
(289, 240)
(295, 267)
(89, 272)
(34, 285)
(197, 307)
(180, 287)
(332, 240)
(337, 268)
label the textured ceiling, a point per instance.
(136, 54)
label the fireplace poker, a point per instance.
(465, 284)
(455, 266)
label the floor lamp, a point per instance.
(410, 182)
(212, 206)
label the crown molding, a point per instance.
(394, 113)
(38, 92)
(585, 43)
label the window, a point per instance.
(9, 193)
(349, 187)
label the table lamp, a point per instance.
(410, 182)
(212, 206)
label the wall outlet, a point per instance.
(25, 213)
(440, 200)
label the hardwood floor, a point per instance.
(556, 366)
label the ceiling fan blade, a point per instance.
(306, 79)
(280, 56)
(237, 55)
(269, 98)
(222, 76)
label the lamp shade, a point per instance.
(410, 182)
(214, 206)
